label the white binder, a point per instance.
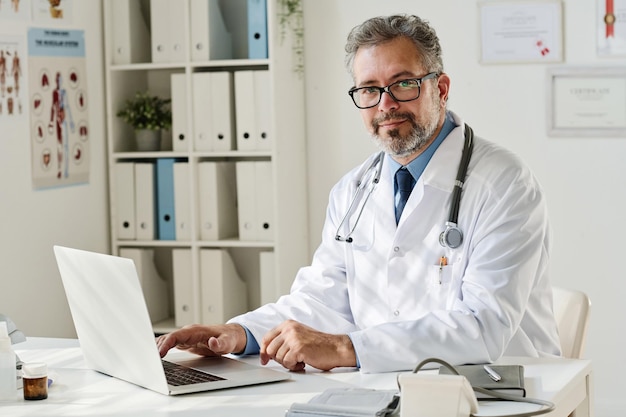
(267, 277)
(180, 134)
(255, 200)
(223, 293)
(154, 287)
(213, 111)
(217, 198)
(264, 200)
(125, 200)
(253, 110)
(145, 220)
(263, 106)
(169, 42)
(246, 200)
(131, 37)
(210, 39)
(182, 201)
(245, 110)
(184, 298)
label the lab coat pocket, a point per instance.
(439, 277)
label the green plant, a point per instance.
(145, 111)
(290, 18)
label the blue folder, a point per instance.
(165, 199)
(257, 29)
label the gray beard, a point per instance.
(402, 146)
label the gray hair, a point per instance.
(381, 29)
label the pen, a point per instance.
(443, 261)
(492, 374)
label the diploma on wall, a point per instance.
(587, 101)
(521, 31)
(611, 24)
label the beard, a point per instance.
(399, 145)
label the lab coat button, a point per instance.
(396, 249)
(396, 313)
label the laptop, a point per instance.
(116, 337)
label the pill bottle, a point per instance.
(35, 381)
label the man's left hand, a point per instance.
(295, 345)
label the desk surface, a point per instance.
(78, 391)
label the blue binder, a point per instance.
(165, 199)
(257, 29)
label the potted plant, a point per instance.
(148, 115)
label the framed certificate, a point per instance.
(518, 31)
(587, 101)
(611, 24)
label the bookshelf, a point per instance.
(200, 58)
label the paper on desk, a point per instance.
(344, 402)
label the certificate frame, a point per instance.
(586, 101)
(521, 31)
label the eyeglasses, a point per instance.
(403, 90)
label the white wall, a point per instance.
(583, 177)
(32, 221)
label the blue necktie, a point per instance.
(404, 185)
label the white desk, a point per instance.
(78, 391)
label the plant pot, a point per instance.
(148, 140)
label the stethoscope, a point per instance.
(452, 236)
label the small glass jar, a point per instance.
(35, 381)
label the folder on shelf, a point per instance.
(145, 225)
(125, 200)
(257, 29)
(223, 293)
(217, 200)
(180, 135)
(210, 39)
(169, 43)
(184, 298)
(213, 111)
(153, 286)
(255, 200)
(269, 285)
(131, 35)
(182, 201)
(245, 110)
(252, 110)
(263, 105)
(264, 200)
(165, 199)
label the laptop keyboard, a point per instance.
(178, 375)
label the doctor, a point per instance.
(385, 289)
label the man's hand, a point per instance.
(293, 345)
(204, 340)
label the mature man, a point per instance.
(386, 289)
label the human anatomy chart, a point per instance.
(58, 107)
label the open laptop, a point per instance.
(115, 332)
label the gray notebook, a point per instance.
(511, 382)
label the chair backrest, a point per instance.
(571, 310)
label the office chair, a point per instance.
(571, 310)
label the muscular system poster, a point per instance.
(59, 129)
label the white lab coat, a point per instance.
(387, 291)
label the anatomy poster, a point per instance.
(15, 9)
(58, 107)
(51, 11)
(11, 83)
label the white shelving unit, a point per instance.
(129, 56)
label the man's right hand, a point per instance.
(204, 340)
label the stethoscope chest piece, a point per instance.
(452, 237)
